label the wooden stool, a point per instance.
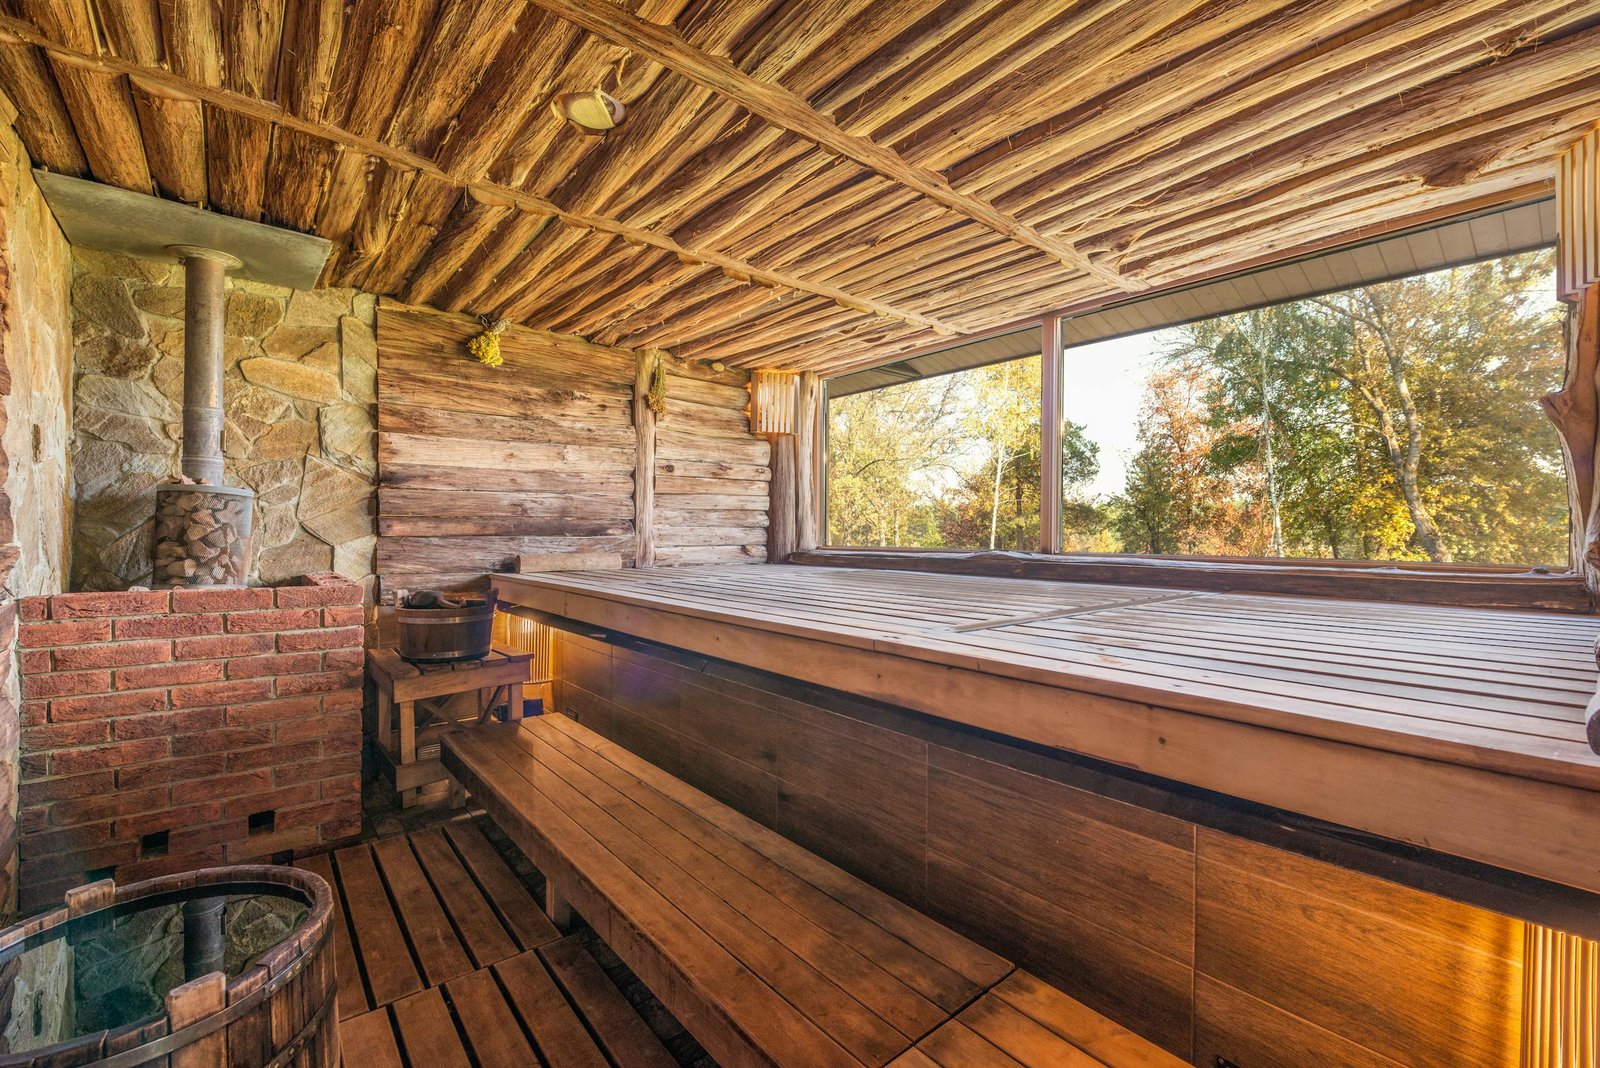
(402, 686)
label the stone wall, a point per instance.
(165, 731)
(299, 390)
(35, 406)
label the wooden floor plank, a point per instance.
(491, 1028)
(515, 906)
(368, 1041)
(426, 926)
(353, 999)
(561, 1037)
(391, 973)
(625, 1037)
(428, 1033)
(475, 918)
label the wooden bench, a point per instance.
(766, 953)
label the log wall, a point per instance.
(480, 465)
(711, 477)
(1205, 941)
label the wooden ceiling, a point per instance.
(804, 183)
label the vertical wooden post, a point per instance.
(1050, 397)
(644, 467)
(781, 502)
(806, 486)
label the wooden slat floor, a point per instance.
(1500, 690)
(445, 960)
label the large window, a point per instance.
(945, 462)
(1396, 421)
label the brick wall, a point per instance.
(159, 729)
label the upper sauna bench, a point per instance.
(1459, 730)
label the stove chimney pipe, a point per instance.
(204, 315)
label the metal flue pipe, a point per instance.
(204, 314)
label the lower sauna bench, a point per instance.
(767, 954)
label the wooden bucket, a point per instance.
(277, 1011)
(445, 635)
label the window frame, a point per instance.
(1423, 582)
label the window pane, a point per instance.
(946, 462)
(1398, 421)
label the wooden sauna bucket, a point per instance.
(446, 635)
(277, 1010)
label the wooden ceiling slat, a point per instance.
(820, 184)
(783, 108)
(101, 105)
(237, 147)
(340, 199)
(42, 117)
(459, 240)
(469, 287)
(465, 37)
(312, 33)
(132, 29)
(173, 126)
(1428, 46)
(298, 173)
(427, 205)
(379, 46)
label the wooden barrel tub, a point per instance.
(230, 1001)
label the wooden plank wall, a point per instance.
(478, 465)
(1204, 942)
(711, 477)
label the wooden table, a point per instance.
(402, 686)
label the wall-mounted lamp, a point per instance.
(1578, 217)
(774, 401)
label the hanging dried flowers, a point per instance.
(656, 396)
(486, 346)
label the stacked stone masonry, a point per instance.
(298, 391)
(164, 731)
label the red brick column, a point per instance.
(171, 730)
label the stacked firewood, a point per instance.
(201, 539)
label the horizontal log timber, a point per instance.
(424, 450)
(420, 477)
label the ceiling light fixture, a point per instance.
(596, 111)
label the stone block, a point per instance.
(292, 379)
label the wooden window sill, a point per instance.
(1462, 586)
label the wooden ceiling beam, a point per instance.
(16, 31)
(779, 106)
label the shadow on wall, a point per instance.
(300, 384)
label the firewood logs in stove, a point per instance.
(202, 535)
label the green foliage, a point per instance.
(1398, 421)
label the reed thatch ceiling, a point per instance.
(805, 183)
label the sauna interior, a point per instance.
(800, 533)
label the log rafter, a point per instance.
(15, 31)
(783, 108)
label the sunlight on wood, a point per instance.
(528, 636)
(1561, 1000)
